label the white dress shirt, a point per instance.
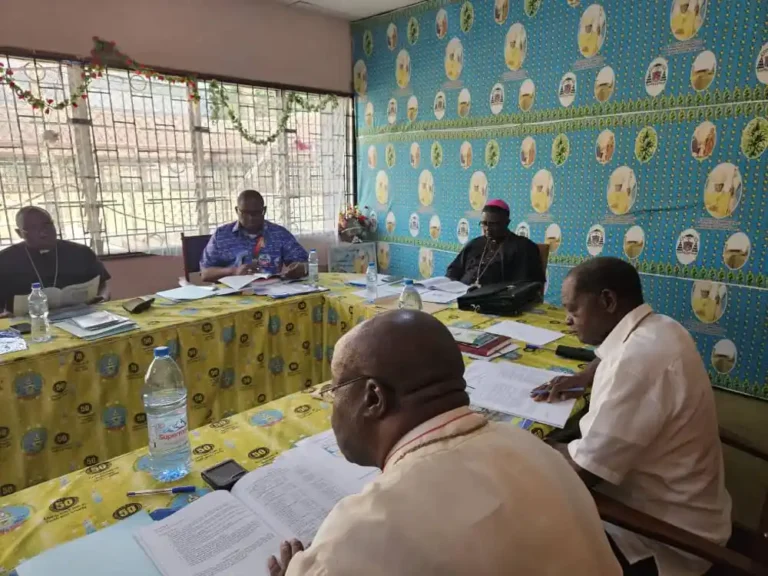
(461, 496)
(651, 433)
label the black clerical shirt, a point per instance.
(518, 260)
(77, 264)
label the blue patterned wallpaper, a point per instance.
(631, 129)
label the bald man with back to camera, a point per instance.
(457, 495)
(650, 437)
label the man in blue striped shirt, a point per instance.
(252, 244)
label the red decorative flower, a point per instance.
(9, 72)
(50, 100)
(84, 96)
(74, 104)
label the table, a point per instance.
(76, 504)
(69, 404)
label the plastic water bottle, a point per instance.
(165, 402)
(371, 283)
(38, 314)
(409, 297)
(314, 270)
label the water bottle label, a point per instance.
(169, 435)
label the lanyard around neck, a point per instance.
(56, 272)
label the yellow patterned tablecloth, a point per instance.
(68, 403)
(81, 502)
(77, 503)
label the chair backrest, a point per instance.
(747, 550)
(544, 253)
(192, 248)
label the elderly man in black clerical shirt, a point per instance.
(42, 257)
(498, 255)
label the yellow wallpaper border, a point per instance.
(616, 114)
(731, 277)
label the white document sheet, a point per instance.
(73, 295)
(216, 535)
(186, 293)
(234, 534)
(292, 497)
(529, 334)
(381, 292)
(323, 450)
(240, 282)
(382, 280)
(285, 289)
(438, 296)
(445, 285)
(506, 387)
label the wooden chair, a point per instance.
(192, 248)
(544, 253)
(747, 550)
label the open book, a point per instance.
(234, 533)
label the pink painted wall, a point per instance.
(250, 39)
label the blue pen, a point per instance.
(174, 490)
(546, 392)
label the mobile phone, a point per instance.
(223, 475)
(23, 327)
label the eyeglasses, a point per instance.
(252, 213)
(329, 392)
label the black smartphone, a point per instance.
(23, 327)
(223, 475)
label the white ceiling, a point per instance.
(350, 9)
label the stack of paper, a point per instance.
(381, 292)
(188, 292)
(115, 325)
(97, 320)
(286, 289)
(444, 284)
(506, 387)
(530, 334)
(240, 282)
(383, 280)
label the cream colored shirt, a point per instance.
(651, 433)
(460, 496)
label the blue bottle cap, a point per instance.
(162, 352)
(313, 251)
(408, 282)
(371, 265)
(36, 286)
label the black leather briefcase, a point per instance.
(502, 299)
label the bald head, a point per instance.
(393, 372)
(407, 349)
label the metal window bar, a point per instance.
(137, 163)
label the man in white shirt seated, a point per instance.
(650, 437)
(458, 495)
